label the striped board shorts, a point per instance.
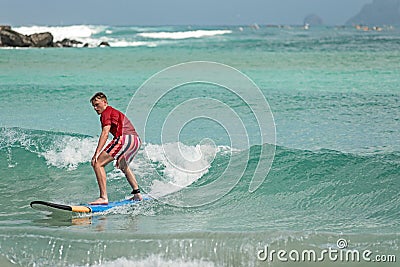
(124, 147)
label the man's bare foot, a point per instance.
(137, 197)
(100, 201)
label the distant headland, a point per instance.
(378, 13)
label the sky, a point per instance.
(175, 12)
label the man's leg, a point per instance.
(100, 172)
(130, 176)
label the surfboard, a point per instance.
(84, 208)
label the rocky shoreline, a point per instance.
(11, 38)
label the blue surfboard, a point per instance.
(84, 208)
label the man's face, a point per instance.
(99, 105)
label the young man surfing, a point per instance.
(122, 148)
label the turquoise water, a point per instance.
(335, 99)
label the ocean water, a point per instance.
(333, 95)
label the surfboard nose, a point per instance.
(81, 209)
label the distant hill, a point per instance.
(313, 20)
(379, 12)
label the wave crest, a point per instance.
(183, 34)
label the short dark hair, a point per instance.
(98, 95)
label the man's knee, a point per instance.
(100, 163)
(102, 160)
(97, 164)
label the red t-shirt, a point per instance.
(120, 124)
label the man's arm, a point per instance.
(102, 141)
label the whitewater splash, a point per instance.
(78, 32)
(172, 177)
(159, 174)
(60, 150)
(174, 166)
(118, 36)
(68, 152)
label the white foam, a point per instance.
(124, 43)
(184, 34)
(155, 260)
(76, 32)
(68, 152)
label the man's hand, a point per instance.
(94, 159)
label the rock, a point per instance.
(5, 27)
(102, 44)
(67, 43)
(9, 37)
(57, 44)
(42, 39)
